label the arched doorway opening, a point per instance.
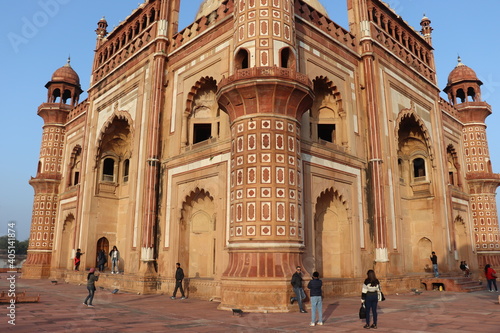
(102, 244)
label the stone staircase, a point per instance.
(452, 283)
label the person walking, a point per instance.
(78, 254)
(115, 260)
(91, 280)
(316, 299)
(370, 294)
(179, 276)
(491, 276)
(434, 260)
(300, 295)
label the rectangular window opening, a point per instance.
(201, 132)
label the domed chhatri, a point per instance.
(66, 74)
(461, 73)
(463, 85)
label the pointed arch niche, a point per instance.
(75, 165)
(422, 254)
(197, 238)
(415, 156)
(327, 119)
(114, 153)
(203, 122)
(461, 240)
(67, 241)
(453, 167)
(333, 236)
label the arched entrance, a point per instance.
(102, 244)
(197, 246)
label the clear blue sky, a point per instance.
(38, 35)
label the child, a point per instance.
(77, 259)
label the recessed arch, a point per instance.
(106, 129)
(74, 166)
(327, 119)
(67, 240)
(409, 114)
(203, 83)
(333, 235)
(197, 235)
(203, 121)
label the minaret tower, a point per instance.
(63, 92)
(265, 98)
(426, 31)
(464, 93)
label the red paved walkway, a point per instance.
(61, 310)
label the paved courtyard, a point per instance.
(61, 310)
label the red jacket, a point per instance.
(489, 274)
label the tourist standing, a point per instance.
(300, 295)
(316, 299)
(491, 276)
(179, 276)
(370, 295)
(434, 260)
(91, 280)
(101, 260)
(115, 259)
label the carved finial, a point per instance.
(68, 62)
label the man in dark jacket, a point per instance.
(434, 260)
(300, 295)
(179, 276)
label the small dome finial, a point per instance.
(460, 63)
(68, 62)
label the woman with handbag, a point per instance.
(491, 276)
(370, 297)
